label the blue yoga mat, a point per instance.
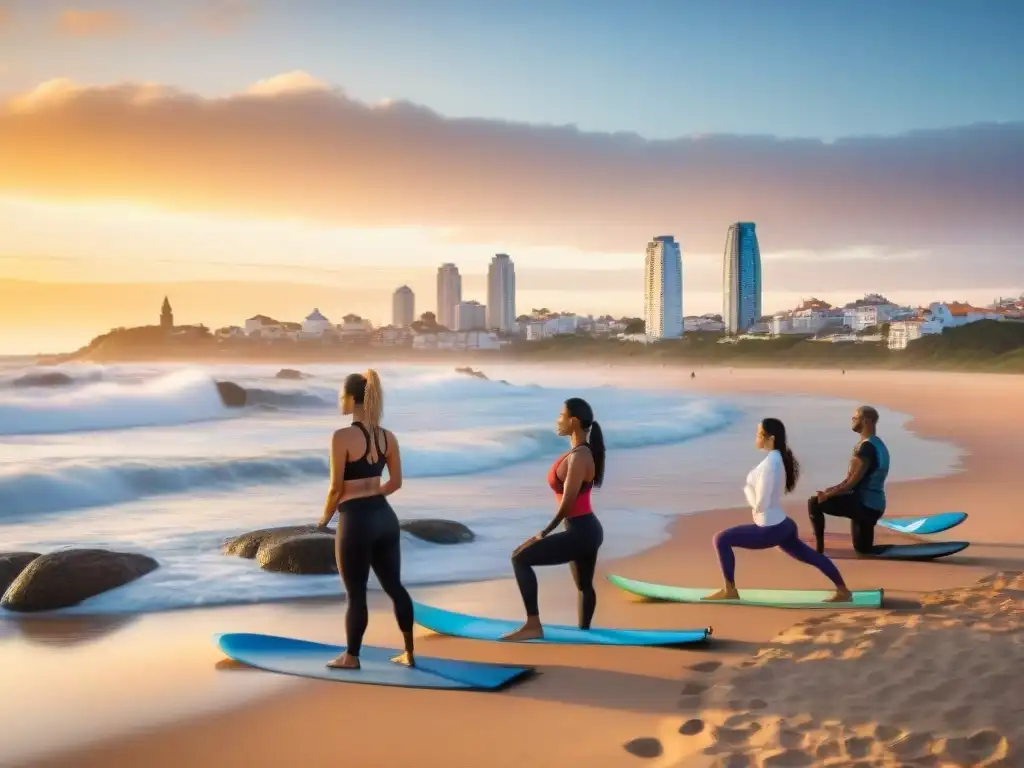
(481, 628)
(289, 656)
(923, 525)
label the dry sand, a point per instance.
(934, 679)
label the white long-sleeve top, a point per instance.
(763, 490)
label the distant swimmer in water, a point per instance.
(771, 528)
(693, 375)
(572, 477)
(861, 496)
(368, 534)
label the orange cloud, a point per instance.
(291, 147)
(75, 23)
(5, 17)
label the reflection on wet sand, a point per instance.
(69, 631)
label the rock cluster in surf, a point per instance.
(307, 550)
(32, 582)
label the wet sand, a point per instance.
(775, 687)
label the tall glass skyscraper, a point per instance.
(449, 294)
(501, 293)
(741, 278)
(663, 289)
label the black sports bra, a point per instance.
(360, 469)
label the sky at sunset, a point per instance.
(246, 156)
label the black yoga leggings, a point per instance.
(369, 537)
(862, 520)
(577, 545)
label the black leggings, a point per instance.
(577, 545)
(369, 537)
(862, 520)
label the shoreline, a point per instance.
(604, 698)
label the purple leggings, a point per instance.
(783, 535)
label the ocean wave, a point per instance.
(176, 398)
(105, 398)
(81, 483)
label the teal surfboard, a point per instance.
(289, 656)
(924, 525)
(481, 628)
(768, 598)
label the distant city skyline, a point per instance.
(281, 157)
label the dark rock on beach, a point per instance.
(438, 531)
(470, 372)
(305, 553)
(67, 577)
(51, 379)
(11, 566)
(231, 394)
(290, 373)
(248, 544)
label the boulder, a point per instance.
(51, 379)
(231, 394)
(248, 544)
(290, 373)
(11, 566)
(304, 553)
(67, 577)
(438, 531)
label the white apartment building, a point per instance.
(449, 294)
(663, 289)
(563, 325)
(403, 307)
(469, 316)
(501, 293)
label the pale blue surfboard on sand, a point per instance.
(289, 656)
(768, 598)
(923, 525)
(481, 628)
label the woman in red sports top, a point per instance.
(572, 477)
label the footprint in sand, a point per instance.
(694, 689)
(973, 749)
(859, 746)
(791, 758)
(829, 749)
(792, 739)
(692, 727)
(887, 733)
(643, 747)
(706, 666)
(737, 761)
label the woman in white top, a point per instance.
(772, 528)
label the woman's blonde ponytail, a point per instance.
(373, 400)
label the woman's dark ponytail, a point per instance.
(580, 409)
(776, 429)
(596, 443)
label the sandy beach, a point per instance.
(931, 679)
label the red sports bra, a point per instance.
(582, 504)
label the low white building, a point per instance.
(954, 314)
(562, 325)
(470, 316)
(703, 324)
(316, 325)
(230, 332)
(258, 323)
(873, 310)
(902, 332)
(456, 340)
(354, 328)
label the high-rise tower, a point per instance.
(403, 307)
(501, 293)
(663, 289)
(449, 294)
(741, 278)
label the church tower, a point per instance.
(166, 316)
